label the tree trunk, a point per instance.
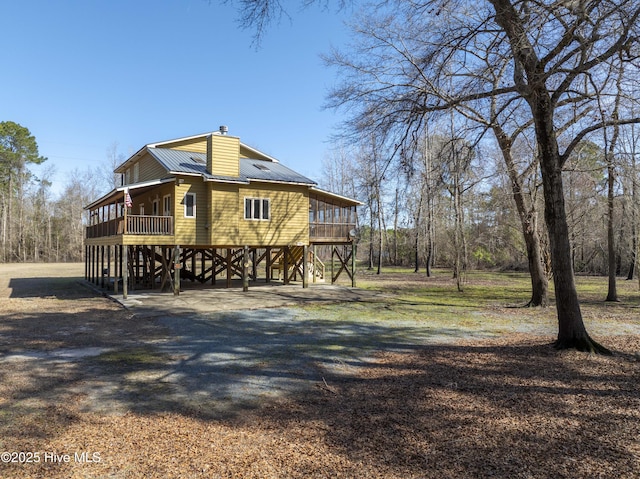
(634, 232)
(430, 239)
(612, 293)
(529, 224)
(539, 282)
(571, 330)
(380, 231)
(530, 80)
(416, 226)
(371, 230)
(395, 231)
(428, 182)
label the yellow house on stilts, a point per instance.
(207, 208)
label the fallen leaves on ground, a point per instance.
(511, 408)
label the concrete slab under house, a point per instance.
(209, 208)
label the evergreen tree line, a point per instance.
(37, 224)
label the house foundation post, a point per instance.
(353, 264)
(268, 264)
(108, 265)
(116, 276)
(101, 270)
(333, 249)
(177, 265)
(124, 270)
(286, 264)
(214, 265)
(96, 264)
(245, 268)
(305, 266)
(313, 252)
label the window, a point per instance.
(141, 209)
(136, 172)
(190, 205)
(127, 176)
(166, 205)
(155, 208)
(257, 208)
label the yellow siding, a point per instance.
(150, 240)
(223, 156)
(289, 218)
(191, 231)
(198, 145)
(224, 215)
(150, 169)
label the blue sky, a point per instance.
(83, 75)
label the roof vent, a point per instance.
(224, 129)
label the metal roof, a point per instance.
(191, 163)
(271, 171)
(137, 187)
(178, 161)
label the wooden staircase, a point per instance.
(291, 259)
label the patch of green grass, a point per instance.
(479, 288)
(133, 357)
(489, 299)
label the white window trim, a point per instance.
(194, 205)
(261, 200)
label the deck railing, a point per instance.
(149, 225)
(136, 225)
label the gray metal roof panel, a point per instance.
(179, 161)
(188, 162)
(271, 171)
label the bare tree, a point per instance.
(629, 149)
(556, 56)
(610, 145)
(108, 178)
(573, 41)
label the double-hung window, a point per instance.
(257, 208)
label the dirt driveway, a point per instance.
(218, 350)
